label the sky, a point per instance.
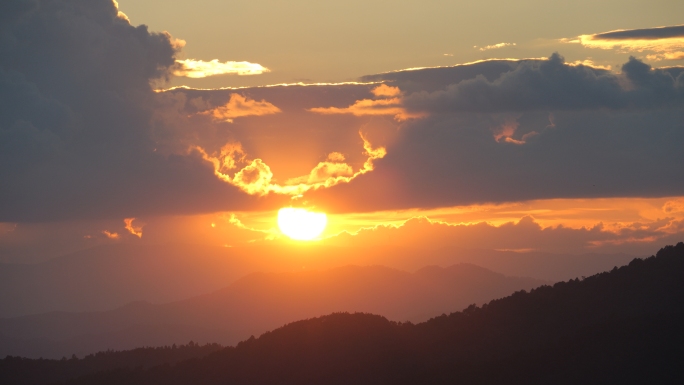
(328, 41)
(523, 126)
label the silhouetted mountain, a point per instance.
(257, 303)
(25, 371)
(107, 277)
(622, 326)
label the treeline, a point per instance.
(622, 326)
(24, 371)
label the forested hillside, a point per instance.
(24, 371)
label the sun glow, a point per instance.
(301, 224)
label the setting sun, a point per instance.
(301, 224)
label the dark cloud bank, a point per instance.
(644, 33)
(80, 127)
(75, 108)
(552, 85)
(525, 130)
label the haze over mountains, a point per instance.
(257, 303)
(110, 276)
(622, 326)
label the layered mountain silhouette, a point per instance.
(257, 303)
(622, 326)
(106, 277)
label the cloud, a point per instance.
(384, 90)
(494, 46)
(84, 136)
(552, 84)
(390, 105)
(290, 136)
(336, 157)
(256, 178)
(491, 131)
(504, 133)
(240, 106)
(678, 55)
(674, 206)
(522, 235)
(110, 235)
(192, 68)
(665, 43)
(433, 79)
(76, 139)
(657, 33)
(367, 107)
(586, 133)
(325, 171)
(134, 230)
(590, 63)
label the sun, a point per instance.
(301, 224)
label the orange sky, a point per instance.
(577, 150)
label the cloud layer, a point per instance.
(661, 43)
(534, 129)
(553, 85)
(83, 134)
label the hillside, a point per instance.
(25, 371)
(256, 303)
(622, 326)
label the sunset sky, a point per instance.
(518, 126)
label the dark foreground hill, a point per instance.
(622, 326)
(25, 371)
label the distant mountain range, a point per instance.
(107, 277)
(257, 303)
(617, 327)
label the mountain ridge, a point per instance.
(106, 277)
(260, 302)
(619, 326)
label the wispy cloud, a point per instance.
(333, 167)
(256, 178)
(505, 133)
(590, 63)
(192, 68)
(494, 46)
(240, 106)
(133, 229)
(674, 206)
(389, 104)
(110, 234)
